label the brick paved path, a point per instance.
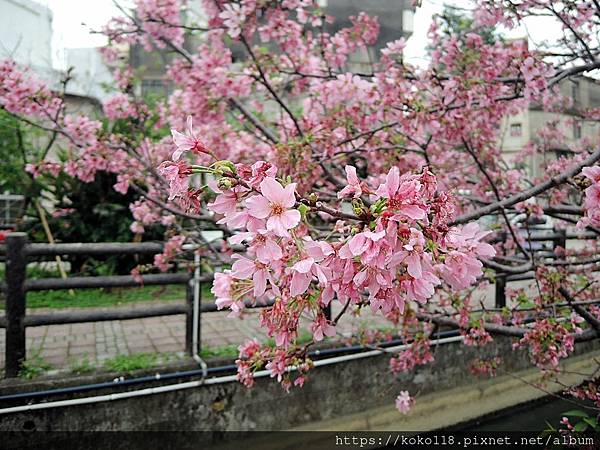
(62, 346)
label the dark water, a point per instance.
(532, 416)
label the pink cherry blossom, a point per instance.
(321, 328)
(403, 196)
(274, 205)
(354, 188)
(428, 141)
(187, 141)
(303, 271)
(177, 174)
(221, 289)
(244, 268)
(404, 402)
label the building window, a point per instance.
(575, 93)
(577, 129)
(516, 130)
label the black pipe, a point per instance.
(195, 372)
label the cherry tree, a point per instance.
(362, 189)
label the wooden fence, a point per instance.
(17, 252)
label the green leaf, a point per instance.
(576, 413)
(527, 305)
(592, 422)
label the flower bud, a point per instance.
(358, 207)
(224, 166)
(303, 210)
(225, 183)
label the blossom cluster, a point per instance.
(548, 342)
(388, 255)
(592, 197)
(23, 93)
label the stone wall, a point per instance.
(353, 395)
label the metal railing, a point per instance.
(18, 252)
(556, 238)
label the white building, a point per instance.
(26, 36)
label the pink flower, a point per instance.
(468, 238)
(367, 241)
(274, 204)
(422, 288)
(221, 289)
(176, 174)
(233, 16)
(354, 188)
(187, 142)
(303, 272)
(592, 173)
(402, 196)
(249, 348)
(262, 243)
(122, 184)
(460, 270)
(404, 402)
(321, 327)
(254, 174)
(244, 268)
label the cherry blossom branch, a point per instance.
(169, 208)
(504, 330)
(589, 318)
(532, 192)
(496, 192)
(265, 82)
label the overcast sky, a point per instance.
(73, 19)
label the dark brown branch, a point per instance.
(524, 195)
(587, 316)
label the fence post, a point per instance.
(16, 266)
(194, 305)
(189, 316)
(500, 291)
(561, 240)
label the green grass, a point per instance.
(34, 367)
(129, 363)
(89, 298)
(226, 351)
(139, 361)
(82, 366)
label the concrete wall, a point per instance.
(92, 77)
(356, 395)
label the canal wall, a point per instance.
(346, 396)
